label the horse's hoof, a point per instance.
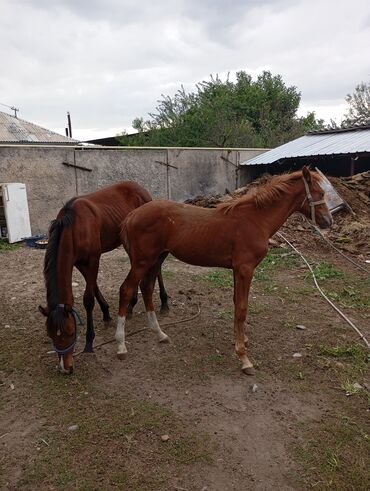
(108, 321)
(164, 339)
(249, 370)
(88, 350)
(164, 310)
(121, 356)
(128, 315)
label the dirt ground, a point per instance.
(301, 422)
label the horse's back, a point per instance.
(97, 216)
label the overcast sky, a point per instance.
(108, 61)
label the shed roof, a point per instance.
(15, 130)
(341, 142)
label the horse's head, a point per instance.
(314, 206)
(62, 329)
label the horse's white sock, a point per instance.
(120, 335)
(154, 326)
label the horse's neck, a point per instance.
(270, 218)
(60, 285)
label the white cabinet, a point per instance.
(14, 214)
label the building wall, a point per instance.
(54, 174)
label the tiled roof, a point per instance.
(15, 130)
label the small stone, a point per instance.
(165, 438)
(74, 283)
(73, 428)
(12, 386)
(357, 386)
(297, 355)
(254, 388)
(13, 298)
(300, 326)
(7, 326)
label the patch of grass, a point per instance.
(167, 274)
(226, 314)
(115, 431)
(275, 259)
(351, 298)
(355, 351)
(325, 271)
(256, 308)
(304, 290)
(220, 278)
(349, 388)
(5, 246)
(353, 363)
(335, 454)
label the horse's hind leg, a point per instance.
(147, 288)
(102, 303)
(162, 292)
(131, 305)
(242, 280)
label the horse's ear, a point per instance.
(44, 311)
(306, 173)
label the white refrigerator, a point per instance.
(14, 215)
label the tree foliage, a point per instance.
(359, 105)
(243, 113)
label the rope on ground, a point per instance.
(145, 329)
(323, 294)
(318, 231)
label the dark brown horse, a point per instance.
(85, 228)
(234, 235)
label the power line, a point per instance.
(13, 108)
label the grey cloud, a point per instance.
(109, 61)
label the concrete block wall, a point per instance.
(54, 174)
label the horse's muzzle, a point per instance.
(325, 221)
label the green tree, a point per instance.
(359, 106)
(244, 113)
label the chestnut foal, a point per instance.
(234, 235)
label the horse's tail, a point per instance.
(59, 238)
(124, 235)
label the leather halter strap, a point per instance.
(73, 344)
(311, 202)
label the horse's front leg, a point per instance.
(90, 273)
(242, 281)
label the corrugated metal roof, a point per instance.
(340, 143)
(15, 130)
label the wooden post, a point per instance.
(352, 171)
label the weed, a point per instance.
(351, 298)
(225, 314)
(220, 278)
(325, 271)
(334, 454)
(167, 274)
(349, 388)
(5, 246)
(352, 351)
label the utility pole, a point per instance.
(69, 125)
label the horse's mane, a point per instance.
(264, 195)
(56, 318)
